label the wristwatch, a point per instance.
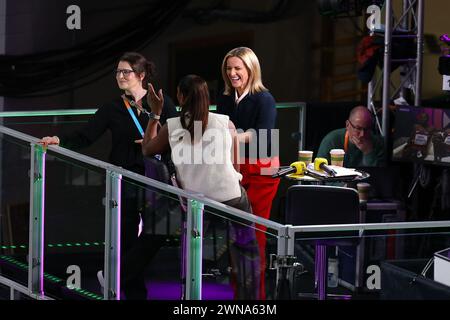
(152, 115)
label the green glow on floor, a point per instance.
(52, 278)
(89, 244)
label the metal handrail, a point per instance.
(90, 111)
(372, 226)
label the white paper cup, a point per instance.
(305, 156)
(337, 157)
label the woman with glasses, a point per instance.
(362, 148)
(122, 117)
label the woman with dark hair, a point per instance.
(133, 73)
(201, 145)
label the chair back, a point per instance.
(318, 204)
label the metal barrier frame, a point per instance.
(114, 176)
(285, 234)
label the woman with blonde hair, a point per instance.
(252, 109)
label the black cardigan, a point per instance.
(255, 111)
(115, 117)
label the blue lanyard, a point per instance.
(136, 122)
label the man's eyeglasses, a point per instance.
(126, 72)
(360, 129)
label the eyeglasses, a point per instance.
(359, 129)
(126, 72)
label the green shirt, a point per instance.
(353, 157)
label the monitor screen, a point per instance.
(422, 134)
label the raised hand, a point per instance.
(155, 100)
(364, 144)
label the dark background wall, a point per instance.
(184, 45)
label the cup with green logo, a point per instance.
(337, 157)
(363, 191)
(305, 156)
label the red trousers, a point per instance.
(261, 189)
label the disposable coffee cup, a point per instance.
(305, 156)
(337, 157)
(363, 191)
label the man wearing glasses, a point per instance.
(362, 147)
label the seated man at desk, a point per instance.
(362, 148)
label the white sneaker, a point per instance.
(101, 280)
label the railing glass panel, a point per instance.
(157, 253)
(231, 264)
(74, 228)
(372, 261)
(15, 208)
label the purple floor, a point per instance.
(166, 290)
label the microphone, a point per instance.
(321, 164)
(297, 167)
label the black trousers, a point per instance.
(136, 251)
(244, 252)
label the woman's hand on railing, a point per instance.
(49, 140)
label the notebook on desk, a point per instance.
(342, 174)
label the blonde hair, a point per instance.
(251, 63)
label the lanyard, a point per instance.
(136, 122)
(346, 142)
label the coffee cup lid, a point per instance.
(363, 184)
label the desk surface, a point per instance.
(344, 175)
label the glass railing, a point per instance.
(74, 227)
(156, 254)
(70, 228)
(15, 205)
(232, 258)
(61, 228)
(379, 261)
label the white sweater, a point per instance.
(205, 165)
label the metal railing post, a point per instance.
(36, 232)
(194, 250)
(111, 290)
(283, 261)
(419, 62)
(301, 126)
(387, 71)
